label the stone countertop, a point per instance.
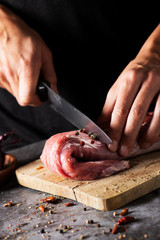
(24, 220)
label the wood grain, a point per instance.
(105, 194)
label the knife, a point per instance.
(69, 112)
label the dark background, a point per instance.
(91, 42)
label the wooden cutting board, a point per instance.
(106, 194)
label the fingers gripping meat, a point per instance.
(79, 157)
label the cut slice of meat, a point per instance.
(79, 157)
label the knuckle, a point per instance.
(121, 111)
(132, 74)
(128, 79)
(138, 112)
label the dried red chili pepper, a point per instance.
(41, 208)
(124, 211)
(124, 220)
(50, 199)
(115, 229)
(69, 204)
(40, 167)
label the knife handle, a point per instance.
(42, 90)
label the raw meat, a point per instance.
(79, 157)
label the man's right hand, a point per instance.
(23, 56)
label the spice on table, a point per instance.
(50, 199)
(41, 208)
(69, 204)
(124, 220)
(10, 203)
(114, 214)
(42, 230)
(90, 221)
(115, 229)
(97, 225)
(124, 212)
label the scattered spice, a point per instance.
(120, 237)
(115, 229)
(92, 135)
(18, 204)
(89, 221)
(103, 232)
(124, 220)
(124, 212)
(40, 167)
(92, 141)
(84, 130)
(115, 214)
(50, 199)
(61, 230)
(82, 237)
(69, 204)
(42, 230)
(82, 143)
(97, 225)
(41, 208)
(51, 211)
(10, 203)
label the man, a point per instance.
(89, 43)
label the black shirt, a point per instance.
(91, 42)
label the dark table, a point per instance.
(24, 219)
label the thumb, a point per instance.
(27, 87)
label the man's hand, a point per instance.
(130, 97)
(23, 56)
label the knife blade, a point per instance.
(69, 112)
